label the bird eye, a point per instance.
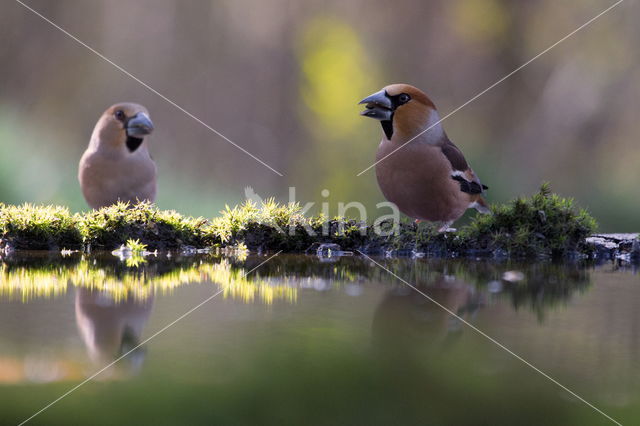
(404, 98)
(120, 115)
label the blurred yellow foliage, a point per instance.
(336, 76)
(480, 20)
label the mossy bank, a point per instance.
(541, 226)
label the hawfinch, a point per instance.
(117, 166)
(420, 170)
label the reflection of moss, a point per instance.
(544, 225)
(31, 277)
(546, 286)
(46, 275)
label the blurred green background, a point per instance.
(282, 79)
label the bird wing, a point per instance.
(469, 182)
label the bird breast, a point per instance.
(417, 178)
(106, 180)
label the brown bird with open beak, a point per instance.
(117, 166)
(420, 170)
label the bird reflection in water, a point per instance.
(405, 318)
(110, 329)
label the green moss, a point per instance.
(271, 226)
(39, 227)
(544, 225)
(111, 226)
(539, 226)
(136, 246)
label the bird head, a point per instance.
(124, 125)
(402, 109)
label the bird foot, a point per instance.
(445, 227)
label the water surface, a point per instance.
(303, 340)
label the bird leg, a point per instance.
(417, 233)
(445, 227)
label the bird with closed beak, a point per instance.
(117, 166)
(418, 168)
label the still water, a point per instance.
(303, 340)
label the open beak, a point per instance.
(378, 106)
(139, 125)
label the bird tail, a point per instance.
(481, 205)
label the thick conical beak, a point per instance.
(139, 125)
(378, 106)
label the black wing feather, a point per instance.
(455, 157)
(469, 187)
(459, 163)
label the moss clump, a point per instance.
(135, 246)
(273, 226)
(39, 227)
(109, 227)
(544, 225)
(269, 226)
